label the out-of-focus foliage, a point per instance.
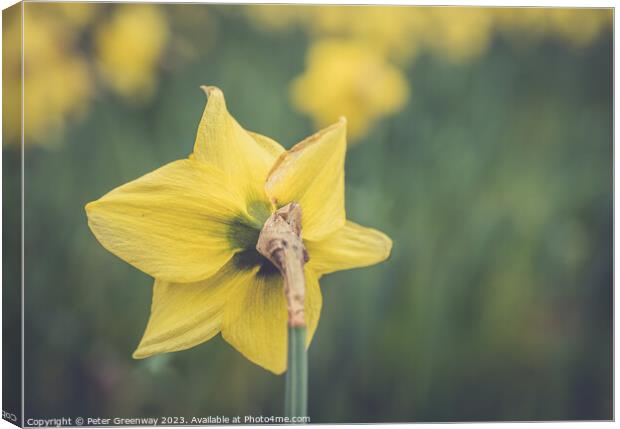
(494, 180)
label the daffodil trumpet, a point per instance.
(237, 237)
(280, 242)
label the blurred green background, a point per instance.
(488, 161)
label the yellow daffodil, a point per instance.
(460, 33)
(193, 225)
(579, 27)
(75, 15)
(350, 78)
(389, 29)
(54, 71)
(129, 48)
(276, 17)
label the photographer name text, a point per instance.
(161, 421)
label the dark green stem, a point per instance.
(296, 395)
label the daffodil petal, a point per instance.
(255, 320)
(222, 142)
(270, 145)
(352, 246)
(184, 315)
(312, 174)
(174, 223)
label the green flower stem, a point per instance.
(296, 392)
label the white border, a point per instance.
(589, 4)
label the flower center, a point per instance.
(243, 234)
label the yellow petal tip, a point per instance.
(340, 126)
(140, 354)
(211, 90)
(88, 208)
(384, 248)
(388, 247)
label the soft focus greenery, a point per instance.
(484, 149)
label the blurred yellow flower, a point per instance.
(129, 49)
(524, 24)
(580, 27)
(459, 33)
(388, 29)
(352, 76)
(77, 15)
(54, 72)
(351, 79)
(276, 17)
(194, 225)
(11, 72)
